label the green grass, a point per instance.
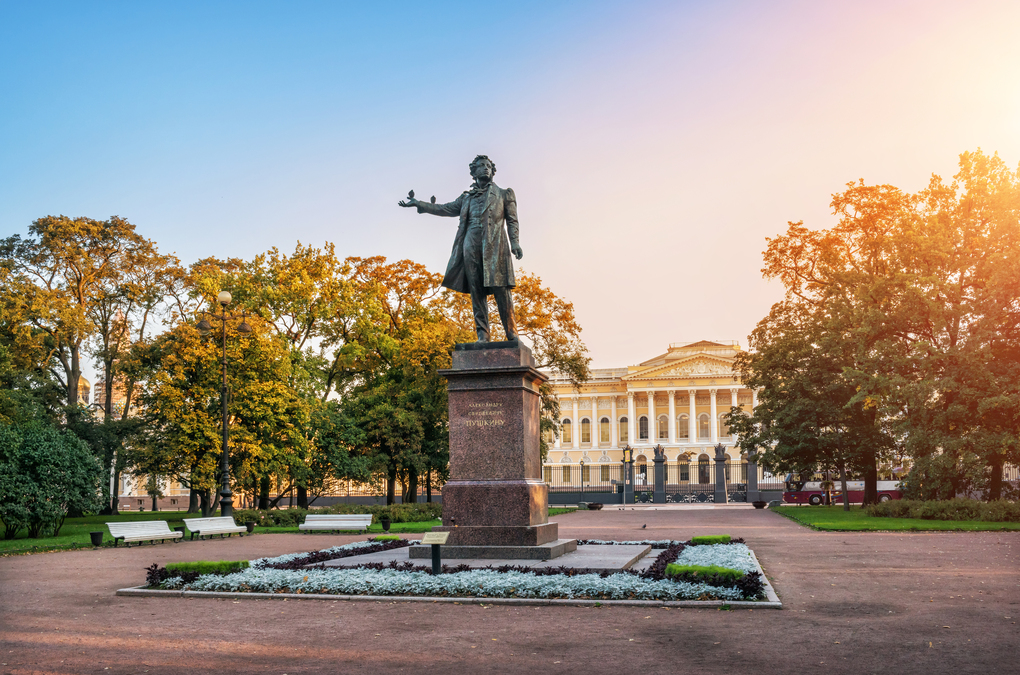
(709, 539)
(835, 519)
(75, 533)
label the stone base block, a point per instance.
(519, 535)
(547, 551)
(505, 503)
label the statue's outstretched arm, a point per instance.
(450, 209)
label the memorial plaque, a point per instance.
(435, 537)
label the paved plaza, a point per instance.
(853, 603)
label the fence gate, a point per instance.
(689, 482)
(736, 481)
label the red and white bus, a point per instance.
(811, 492)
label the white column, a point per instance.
(713, 422)
(575, 434)
(556, 439)
(595, 421)
(651, 417)
(692, 418)
(614, 442)
(672, 417)
(735, 400)
(631, 419)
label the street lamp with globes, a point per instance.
(204, 327)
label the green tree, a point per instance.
(44, 474)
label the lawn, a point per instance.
(75, 533)
(835, 519)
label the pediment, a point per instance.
(696, 365)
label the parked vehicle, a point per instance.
(811, 492)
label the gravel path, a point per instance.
(854, 603)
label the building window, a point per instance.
(642, 468)
(547, 436)
(724, 429)
(704, 465)
(684, 470)
(585, 473)
(624, 430)
(547, 474)
(604, 430)
(642, 432)
(565, 473)
(682, 430)
(604, 473)
(704, 432)
(586, 430)
(565, 431)
(663, 426)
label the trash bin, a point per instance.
(97, 538)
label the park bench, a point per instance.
(205, 527)
(359, 521)
(146, 530)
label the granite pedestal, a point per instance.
(496, 496)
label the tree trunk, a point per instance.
(155, 504)
(192, 500)
(302, 497)
(411, 496)
(842, 480)
(391, 484)
(203, 497)
(995, 479)
(870, 479)
(115, 502)
(428, 486)
(264, 493)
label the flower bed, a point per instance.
(287, 574)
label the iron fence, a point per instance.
(595, 478)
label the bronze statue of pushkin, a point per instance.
(480, 264)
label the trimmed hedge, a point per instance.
(703, 571)
(209, 566)
(1000, 511)
(709, 539)
(399, 513)
(387, 537)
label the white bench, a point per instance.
(358, 521)
(145, 530)
(205, 527)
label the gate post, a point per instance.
(659, 493)
(720, 474)
(752, 478)
(628, 475)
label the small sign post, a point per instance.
(436, 539)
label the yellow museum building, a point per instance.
(675, 400)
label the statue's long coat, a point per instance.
(500, 208)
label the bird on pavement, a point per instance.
(644, 526)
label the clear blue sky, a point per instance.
(652, 145)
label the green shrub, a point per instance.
(673, 569)
(209, 566)
(1000, 511)
(711, 539)
(399, 513)
(387, 537)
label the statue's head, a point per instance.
(482, 167)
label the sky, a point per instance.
(653, 146)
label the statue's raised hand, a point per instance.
(411, 201)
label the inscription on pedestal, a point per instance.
(484, 415)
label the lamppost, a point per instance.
(223, 297)
(582, 480)
(628, 474)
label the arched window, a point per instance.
(641, 468)
(565, 474)
(547, 436)
(724, 429)
(624, 430)
(663, 426)
(682, 430)
(585, 430)
(565, 429)
(604, 430)
(704, 469)
(642, 432)
(704, 432)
